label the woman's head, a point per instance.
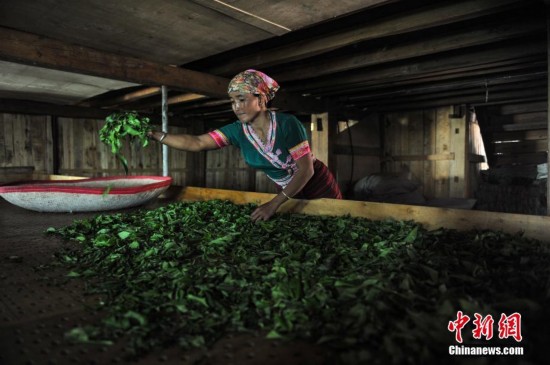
(250, 92)
(253, 82)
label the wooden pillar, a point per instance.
(459, 167)
(56, 158)
(323, 133)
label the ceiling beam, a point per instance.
(515, 53)
(171, 101)
(416, 48)
(477, 99)
(26, 48)
(30, 49)
(418, 19)
(121, 99)
(17, 106)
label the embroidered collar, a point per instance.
(256, 141)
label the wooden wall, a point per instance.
(26, 140)
(83, 154)
(432, 145)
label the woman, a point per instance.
(275, 143)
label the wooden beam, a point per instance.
(490, 83)
(431, 218)
(436, 15)
(461, 98)
(122, 99)
(528, 135)
(435, 67)
(437, 157)
(415, 48)
(16, 46)
(173, 100)
(33, 107)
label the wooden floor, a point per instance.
(36, 309)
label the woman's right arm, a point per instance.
(186, 142)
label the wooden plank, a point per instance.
(416, 47)
(438, 66)
(415, 137)
(524, 126)
(529, 135)
(521, 147)
(459, 166)
(442, 147)
(32, 107)
(524, 108)
(435, 15)
(431, 218)
(121, 99)
(437, 157)
(19, 140)
(173, 100)
(429, 143)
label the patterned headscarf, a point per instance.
(253, 82)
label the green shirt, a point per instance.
(286, 143)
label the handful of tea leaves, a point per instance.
(121, 124)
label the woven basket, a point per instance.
(86, 195)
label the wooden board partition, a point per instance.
(537, 227)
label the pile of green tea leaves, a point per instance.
(375, 292)
(122, 125)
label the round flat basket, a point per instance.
(86, 195)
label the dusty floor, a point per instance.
(35, 311)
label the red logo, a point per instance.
(508, 326)
(456, 326)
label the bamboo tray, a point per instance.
(85, 195)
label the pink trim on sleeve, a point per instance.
(300, 150)
(220, 138)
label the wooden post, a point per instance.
(54, 125)
(322, 140)
(459, 166)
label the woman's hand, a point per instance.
(155, 135)
(264, 211)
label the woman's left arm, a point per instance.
(303, 175)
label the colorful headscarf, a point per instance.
(253, 82)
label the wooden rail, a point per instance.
(537, 227)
